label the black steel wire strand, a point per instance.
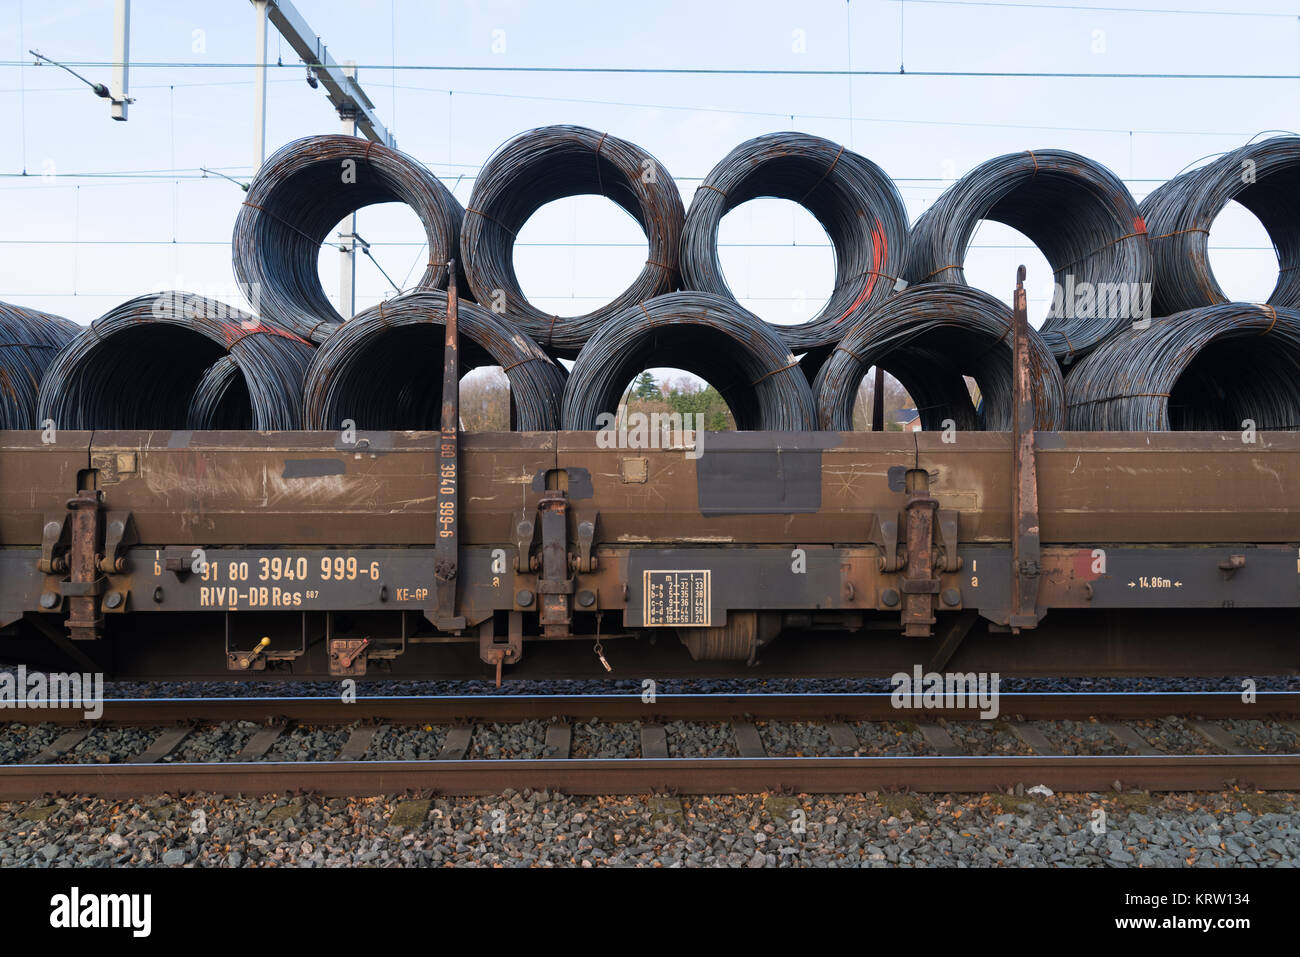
(1081, 217)
(302, 192)
(853, 199)
(701, 333)
(550, 163)
(1264, 177)
(29, 341)
(1205, 369)
(139, 366)
(383, 369)
(928, 337)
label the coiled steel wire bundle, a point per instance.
(929, 337)
(1080, 216)
(701, 333)
(1264, 177)
(300, 194)
(383, 369)
(140, 365)
(29, 341)
(221, 401)
(853, 199)
(550, 163)
(1205, 369)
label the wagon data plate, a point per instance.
(676, 598)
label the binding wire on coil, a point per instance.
(853, 199)
(550, 163)
(1206, 369)
(29, 341)
(1081, 217)
(383, 369)
(1264, 177)
(139, 366)
(301, 193)
(705, 334)
(929, 338)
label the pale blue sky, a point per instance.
(76, 244)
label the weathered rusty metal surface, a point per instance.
(1025, 539)
(647, 775)
(666, 708)
(808, 531)
(36, 480)
(1117, 642)
(1118, 487)
(310, 488)
(284, 488)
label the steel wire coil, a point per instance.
(853, 199)
(1205, 369)
(304, 190)
(550, 163)
(139, 367)
(1264, 177)
(928, 337)
(383, 369)
(29, 341)
(701, 333)
(1081, 217)
(220, 399)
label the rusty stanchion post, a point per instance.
(1025, 549)
(447, 549)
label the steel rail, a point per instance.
(651, 775)
(630, 707)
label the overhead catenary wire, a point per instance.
(702, 333)
(1206, 369)
(139, 366)
(553, 162)
(383, 369)
(853, 199)
(1081, 217)
(302, 192)
(928, 338)
(29, 341)
(1263, 177)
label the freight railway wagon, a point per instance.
(311, 554)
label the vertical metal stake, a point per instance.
(447, 550)
(1025, 549)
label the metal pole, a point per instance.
(348, 239)
(259, 84)
(1025, 548)
(121, 57)
(446, 566)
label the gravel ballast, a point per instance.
(542, 828)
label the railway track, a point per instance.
(1216, 750)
